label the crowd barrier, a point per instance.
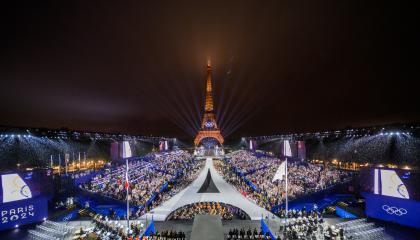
(81, 178)
(322, 199)
(161, 170)
(243, 175)
(72, 215)
(343, 213)
(252, 171)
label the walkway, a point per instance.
(227, 194)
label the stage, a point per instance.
(227, 194)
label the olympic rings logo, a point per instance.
(394, 210)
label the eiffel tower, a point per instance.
(209, 127)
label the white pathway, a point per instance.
(228, 194)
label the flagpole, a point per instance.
(287, 199)
(128, 203)
(287, 194)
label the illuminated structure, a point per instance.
(209, 128)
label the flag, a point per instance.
(126, 179)
(281, 171)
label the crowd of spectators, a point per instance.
(253, 176)
(225, 211)
(248, 162)
(146, 177)
(188, 174)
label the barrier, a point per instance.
(247, 181)
(322, 199)
(80, 179)
(161, 170)
(101, 204)
(69, 216)
(343, 213)
(398, 210)
(23, 212)
(254, 170)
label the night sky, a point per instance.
(278, 66)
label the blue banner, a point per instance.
(150, 229)
(163, 187)
(398, 210)
(265, 229)
(84, 177)
(343, 213)
(17, 213)
(255, 188)
(322, 199)
(69, 216)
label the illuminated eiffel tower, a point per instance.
(209, 129)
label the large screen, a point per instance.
(286, 150)
(24, 197)
(14, 188)
(163, 145)
(252, 144)
(388, 183)
(392, 195)
(126, 150)
(26, 185)
(293, 149)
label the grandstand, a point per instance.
(205, 120)
(165, 189)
